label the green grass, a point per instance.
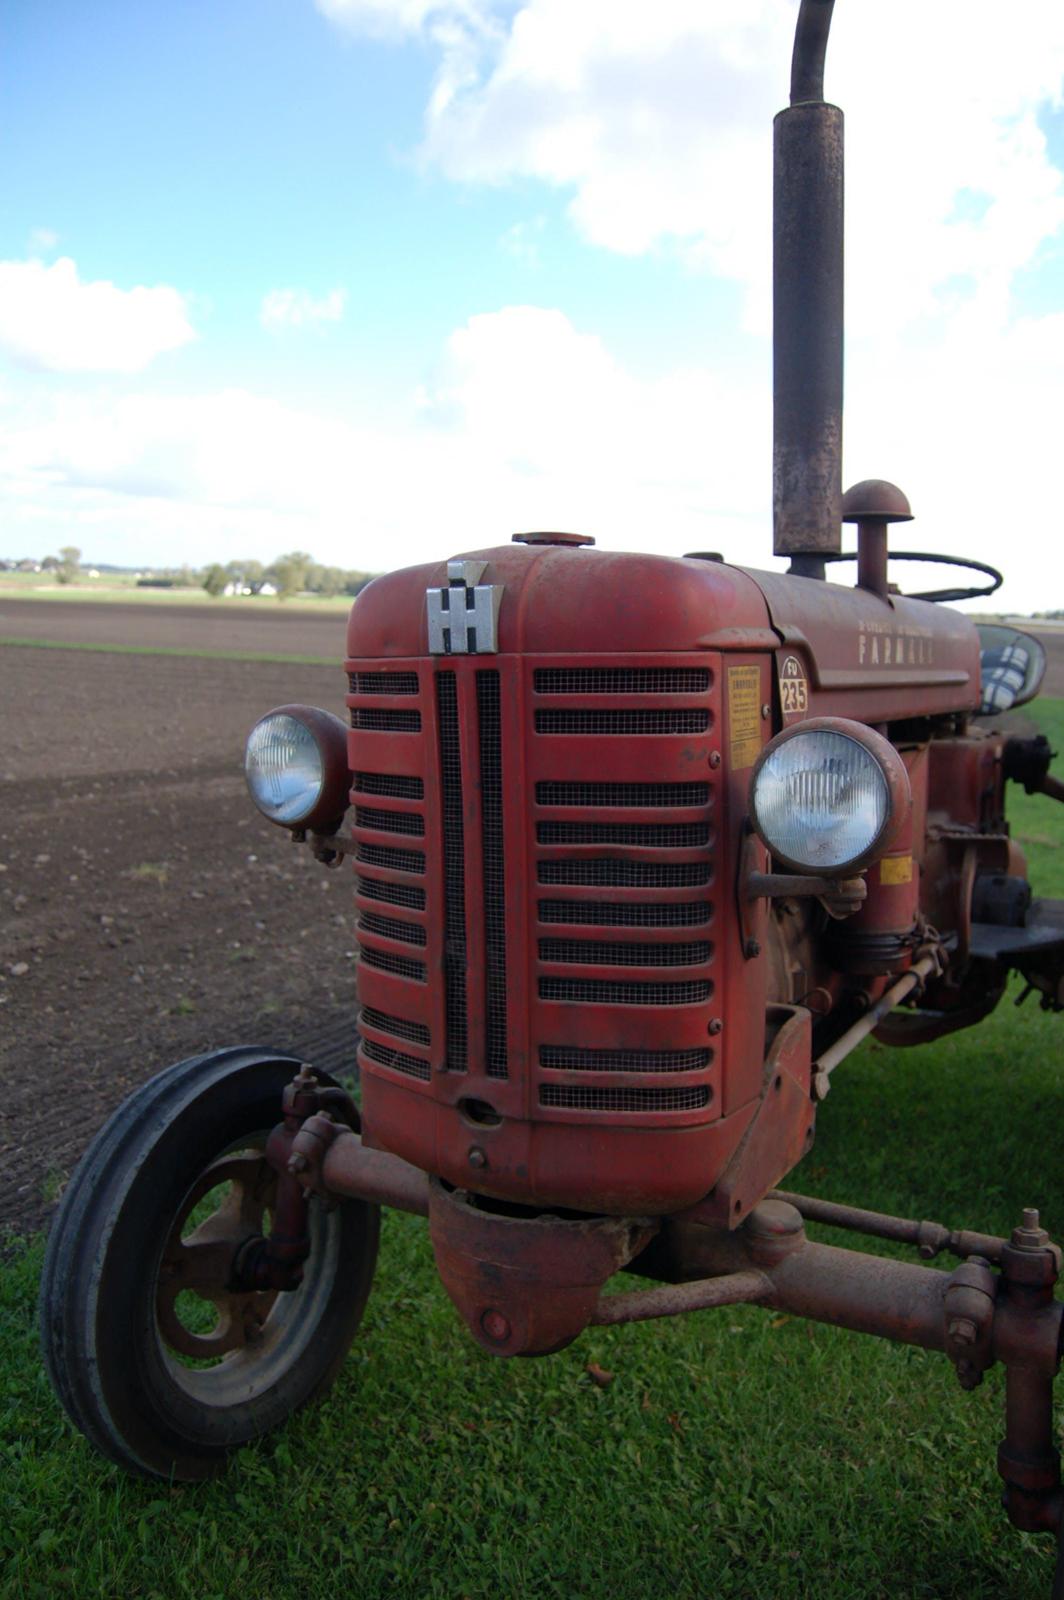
(168, 650)
(735, 1454)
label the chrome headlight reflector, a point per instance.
(828, 796)
(295, 763)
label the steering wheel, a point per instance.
(945, 595)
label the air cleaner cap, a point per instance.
(553, 538)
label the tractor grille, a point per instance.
(373, 720)
(587, 952)
(620, 874)
(454, 915)
(596, 991)
(563, 1058)
(621, 680)
(416, 1032)
(652, 835)
(389, 786)
(383, 682)
(494, 861)
(516, 779)
(584, 1097)
(608, 913)
(398, 966)
(596, 721)
(644, 795)
(398, 1060)
(396, 894)
(392, 928)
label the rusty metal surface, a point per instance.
(807, 329)
(881, 1008)
(929, 1238)
(526, 1285)
(731, 1289)
(351, 1169)
(782, 1129)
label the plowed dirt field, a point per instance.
(148, 912)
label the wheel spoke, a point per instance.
(202, 1261)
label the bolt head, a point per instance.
(751, 949)
(477, 1158)
(495, 1326)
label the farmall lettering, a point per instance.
(881, 646)
(619, 921)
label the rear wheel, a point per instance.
(154, 1357)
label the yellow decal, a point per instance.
(794, 688)
(744, 715)
(896, 869)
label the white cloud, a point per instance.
(656, 122)
(297, 308)
(43, 241)
(51, 320)
(530, 422)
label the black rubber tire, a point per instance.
(99, 1330)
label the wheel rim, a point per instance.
(220, 1345)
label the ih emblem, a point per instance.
(463, 617)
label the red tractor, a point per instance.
(643, 848)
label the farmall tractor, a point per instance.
(643, 848)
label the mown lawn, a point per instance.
(734, 1453)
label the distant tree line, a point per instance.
(294, 573)
(291, 574)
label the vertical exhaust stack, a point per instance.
(807, 251)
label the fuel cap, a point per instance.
(553, 538)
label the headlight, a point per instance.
(828, 796)
(296, 767)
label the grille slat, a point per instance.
(392, 928)
(571, 1058)
(380, 855)
(389, 785)
(374, 719)
(395, 894)
(590, 1097)
(604, 992)
(454, 918)
(596, 720)
(494, 864)
(621, 680)
(598, 953)
(626, 914)
(647, 835)
(398, 1060)
(657, 796)
(401, 1027)
(389, 821)
(383, 682)
(398, 966)
(618, 874)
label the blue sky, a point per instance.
(384, 279)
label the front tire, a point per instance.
(152, 1357)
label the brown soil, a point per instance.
(170, 625)
(149, 911)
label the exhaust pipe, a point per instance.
(807, 252)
